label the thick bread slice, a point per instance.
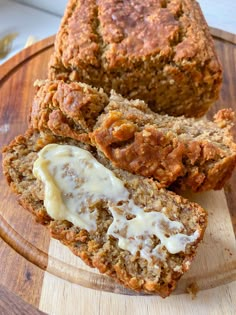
(189, 153)
(97, 248)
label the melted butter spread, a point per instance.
(135, 234)
(74, 181)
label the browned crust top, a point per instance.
(116, 33)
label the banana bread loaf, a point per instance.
(189, 153)
(122, 224)
(159, 51)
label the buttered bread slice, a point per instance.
(120, 223)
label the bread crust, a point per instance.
(159, 51)
(98, 249)
(68, 110)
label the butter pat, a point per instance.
(75, 181)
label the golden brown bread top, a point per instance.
(116, 33)
(78, 39)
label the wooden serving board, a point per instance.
(46, 274)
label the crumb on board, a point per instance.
(228, 251)
(193, 289)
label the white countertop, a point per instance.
(26, 21)
(41, 18)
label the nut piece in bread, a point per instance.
(97, 247)
(159, 51)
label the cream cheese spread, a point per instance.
(74, 180)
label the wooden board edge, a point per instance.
(223, 35)
(22, 246)
(15, 62)
(13, 304)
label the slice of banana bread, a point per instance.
(189, 153)
(159, 51)
(122, 224)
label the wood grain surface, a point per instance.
(26, 277)
(18, 274)
(11, 304)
